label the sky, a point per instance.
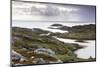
(52, 12)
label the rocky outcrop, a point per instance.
(17, 57)
(44, 51)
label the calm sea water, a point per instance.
(86, 52)
(44, 25)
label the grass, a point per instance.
(66, 58)
(26, 38)
(80, 32)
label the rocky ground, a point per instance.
(37, 46)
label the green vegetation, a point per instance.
(26, 41)
(81, 32)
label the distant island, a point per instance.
(80, 32)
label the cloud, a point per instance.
(68, 9)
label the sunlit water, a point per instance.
(81, 53)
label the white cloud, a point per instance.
(68, 9)
(23, 11)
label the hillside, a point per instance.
(80, 32)
(30, 43)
